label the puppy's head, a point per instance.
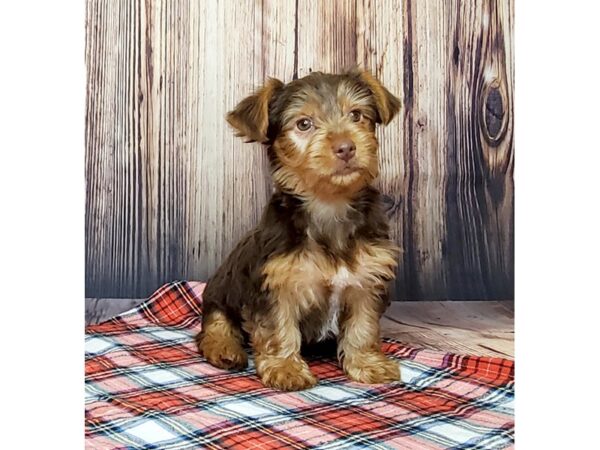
(320, 130)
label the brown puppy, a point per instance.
(318, 263)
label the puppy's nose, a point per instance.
(344, 149)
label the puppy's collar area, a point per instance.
(321, 210)
(338, 207)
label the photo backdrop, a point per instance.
(170, 190)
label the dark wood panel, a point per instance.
(480, 148)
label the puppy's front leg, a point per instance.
(276, 340)
(359, 344)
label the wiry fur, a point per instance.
(321, 251)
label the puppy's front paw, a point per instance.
(372, 368)
(287, 374)
(225, 354)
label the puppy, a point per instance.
(318, 264)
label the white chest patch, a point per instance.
(341, 280)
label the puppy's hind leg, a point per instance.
(220, 341)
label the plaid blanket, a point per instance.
(148, 388)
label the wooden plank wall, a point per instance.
(170, 190)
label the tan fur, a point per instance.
(285, 374)
(359, 348)
(277, 339)
(277, 354)
(301, 279)
(251, 117)
(301, 283)
(375, 263)
(312, 172)
(308, 164)
(387, 104)
(221, 342)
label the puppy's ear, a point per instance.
(250, 118)
(387, 103)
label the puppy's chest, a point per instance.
(315, 278)
(328, 325)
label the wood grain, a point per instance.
(170, 190)
(381, 48)
(484, 328)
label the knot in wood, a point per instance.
(494, 114)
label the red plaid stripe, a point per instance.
(165, 401)
(493, 371)
(174, 305)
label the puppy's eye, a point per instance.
(355, 115)
(304, 124)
